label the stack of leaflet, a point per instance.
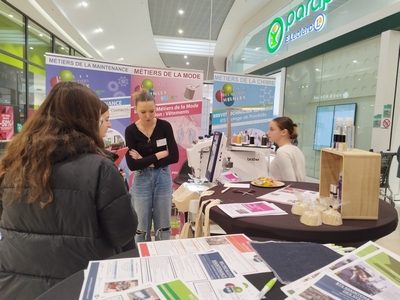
(200, 268)
(251, 209)
(369, 272)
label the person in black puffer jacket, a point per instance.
(62, 202)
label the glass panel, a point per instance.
(12, 36)
(12, 97)
(346, 75)
(39, 42)
(60, 47)
(36, 87)
(77, 53)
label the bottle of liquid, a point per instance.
(239, 138)
(252, 139)
(264, 140)
(233, 138)
(246, 138)
(339, 191)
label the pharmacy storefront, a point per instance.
(339, 61)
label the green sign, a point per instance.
(278, 30)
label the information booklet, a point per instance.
(369, 272)
(200, 276)
(199, 268)
(287, 195)
(251, 209)
(236, 248)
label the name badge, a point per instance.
(161, 142)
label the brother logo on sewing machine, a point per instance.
(253, 159)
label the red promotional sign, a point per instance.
(6, 122)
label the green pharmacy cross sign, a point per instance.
(280, 27)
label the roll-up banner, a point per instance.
(249, 100)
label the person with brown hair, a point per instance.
(152, 148)
(289, 162)
(64, 203)
(105, 122)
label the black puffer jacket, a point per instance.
(90, 218)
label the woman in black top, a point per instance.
(152, 148)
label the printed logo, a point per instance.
(319, 22)
(275, 35)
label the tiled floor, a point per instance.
(392, 241)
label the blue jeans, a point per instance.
(152, 199)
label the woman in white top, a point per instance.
(289, 162)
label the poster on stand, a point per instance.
(178, 95)
(249, 100)
(111, 82)
(6, 122)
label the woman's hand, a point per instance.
(162, 154)
(134, 154)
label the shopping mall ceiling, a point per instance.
(193, 34)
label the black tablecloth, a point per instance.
(288, 227)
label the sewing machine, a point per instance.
(248, 162)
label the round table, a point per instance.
(288, 227)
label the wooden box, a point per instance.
(360, 172)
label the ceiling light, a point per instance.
(110, 47)
(181, 11)
(41, 34)
(98, 30)
(187, 63)
(180, 31)
(120, 59)
(31, 48)
(62, 48)
(182, 46)
(83, 4)
(257, 48)
(317, 70)
(355, 61)
(11, 16)
(185, 56)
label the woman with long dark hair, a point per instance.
(63, 202)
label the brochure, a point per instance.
(369, 272)
(235, 248)
(287, 195)
(251, 209)
(206, 276)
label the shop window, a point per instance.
(12, 97)
(36, 88)
(12, 28)
(343, 76)
(60, 47)
(39, 42)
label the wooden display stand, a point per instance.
(360, 181)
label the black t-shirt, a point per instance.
(161, 139)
